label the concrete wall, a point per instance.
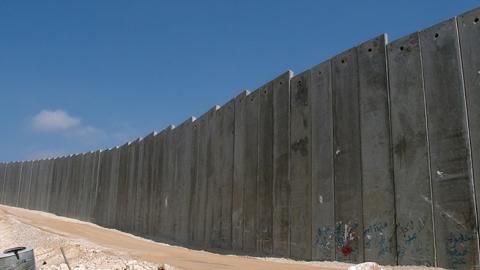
(372, 155)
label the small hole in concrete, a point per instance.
(476, 20)
(436, 35)
(281, 83)
(369, 49)
(343, 61)
(401, 48)
(319, 73)
(252, 99)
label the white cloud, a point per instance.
(75, 134)
(61, 122)
(52, 121)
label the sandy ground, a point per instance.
(88, 246)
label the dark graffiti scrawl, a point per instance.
(376, 235)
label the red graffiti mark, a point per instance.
(346, 250)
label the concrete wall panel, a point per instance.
(101, 211)
(138, 184)
(151, 174)
(44, 185)
(3, 175)
(224, 174)
(155, 204)
(33, 194)
(35, 191)
(348, 174)
(165, 191)
(301, 167)
(143, 183)
(67, 193)
(12, 179)
(54, 186)
(63, 181)
(95, 176)
(212, 215)
(8, 184)
(323, 217)
(377, 173)
(24, 184)
(281, 165)
(122, 188)
(265, 171)
(240, 171)
(183, 177)
(133, 150)
(455, 216)
(42, 188)
(200, 196)
(79, 204)
(251, 168)
(415, 238)
(64, 192)
(170, 196)
(469, 34)
(85, 183)
(113, 187)
(73, 185)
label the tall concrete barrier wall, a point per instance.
(372, 155)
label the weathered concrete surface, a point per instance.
(415, 239)
(300, 167)
(200, 191)
(347, 160)
(323, 211)
(24, 184)
(265, 171)
(377, 174)
(155, 199)
(122, 189)
(456, 231)
(3, 173)
(33, 194)
(239, 171)
(469, 34)
(184, 173)
(12, 177)
(224, 158)
(101, 211)
(281, 165)
(165, 186)
(211, 223)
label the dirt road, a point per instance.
(89, 246)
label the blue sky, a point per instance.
(81, 75)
